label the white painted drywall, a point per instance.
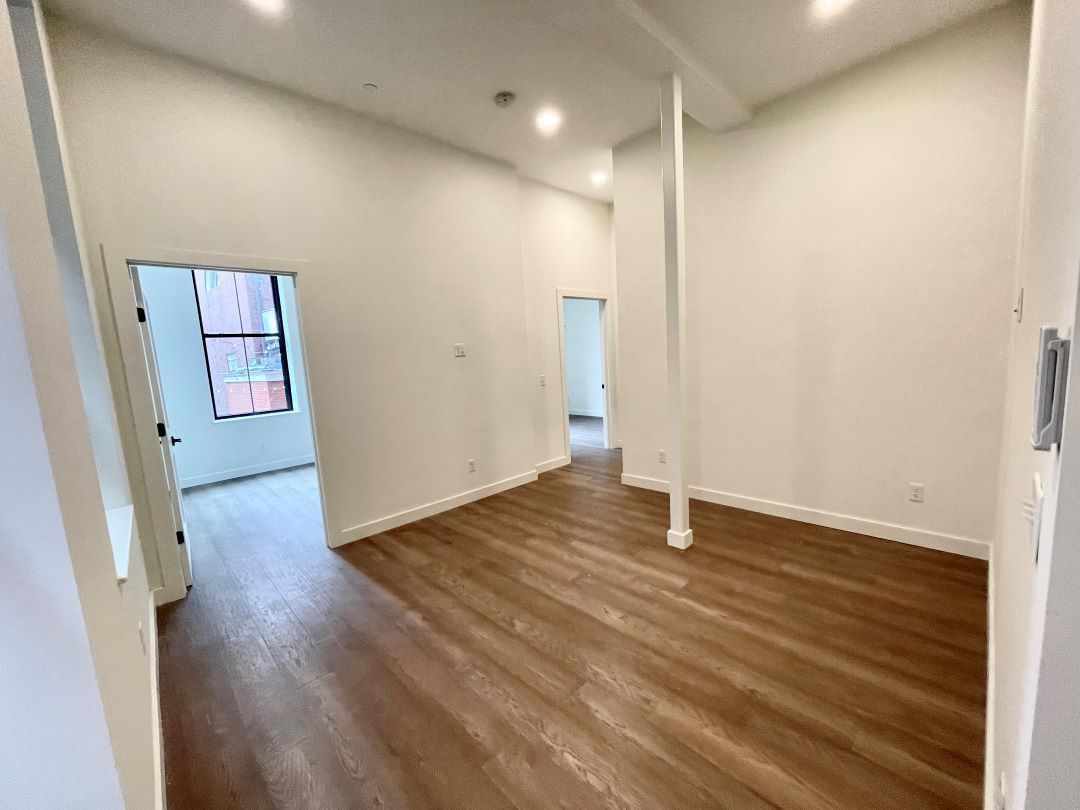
(93, 379)
(566, 242)
(584, 356)
(413, 245)
(1047, 272)
(51, 715)
(212, 449)
(849, 258)
(77, 732)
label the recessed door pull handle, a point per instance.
(1050, 381)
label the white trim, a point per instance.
(241, 472)
(552, 464)
(155, 699)
(607, 355)
(644, 482)
(940, 541)
(680, 540)
(990, 768)
(579, 412)
(384, 524)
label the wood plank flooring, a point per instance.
(586, 431)
(544, 649)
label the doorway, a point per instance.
(584, 345)
(232, 468)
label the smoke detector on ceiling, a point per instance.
(504, 99)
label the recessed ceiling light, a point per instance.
(271, 8)
(599, 178)
(827, 9)
(548, 121)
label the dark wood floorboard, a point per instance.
(542, 648)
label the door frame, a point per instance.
(606, 359)
(117, 261)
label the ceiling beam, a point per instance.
(642, 45)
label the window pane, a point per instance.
(255, 293)
(218, 301)
(267, 378)
(229, 376)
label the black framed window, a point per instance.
(247, 362)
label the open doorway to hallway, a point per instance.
(233, 409)
(584, 374)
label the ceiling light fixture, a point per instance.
(599, 178)
(548, 121)
(270, 8)
(827, 9)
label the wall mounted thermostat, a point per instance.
(1050, 380)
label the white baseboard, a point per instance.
(644, 482)
(552, 464)
(680, 540)
(990, 766)
(240, 472)
(586, 413)
(428, 509)
(955, 544)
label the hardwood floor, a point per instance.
(544, 649)
(586, 431)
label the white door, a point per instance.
(165, 439)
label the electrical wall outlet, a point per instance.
(661, 456)
(471, 464)
(459, 350)
(915, 493)
(543, 381)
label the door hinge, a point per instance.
(142, 314)
(180, 538)
(161, 432)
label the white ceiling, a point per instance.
(765, 48)
(438, 63)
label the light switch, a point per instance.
(459, 350)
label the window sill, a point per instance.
(247, 417)
(121, 521)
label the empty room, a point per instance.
(539, 404)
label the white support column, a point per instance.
(671, 148)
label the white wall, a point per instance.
(413, 245)
(216, 450)
(51, 715)
(1047, 272)
(566, 241)
(78, 689)
(849, 255)
(93, 378)
(584, 356)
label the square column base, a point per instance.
(680, 540)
